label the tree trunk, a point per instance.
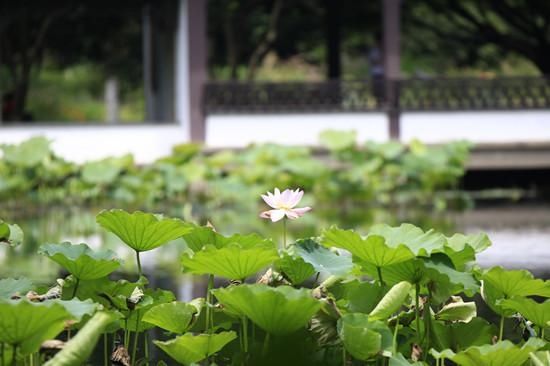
(231, 44)
(265, 44)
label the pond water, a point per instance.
(520, 233)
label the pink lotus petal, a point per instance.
(301, 211)
(276, 215)
(291, 214)
(286, 197)
(265, 215)
(269, 200)
(296, 198)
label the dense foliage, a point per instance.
(397, 296)
(345, 173)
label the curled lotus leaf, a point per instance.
(176, 317)
(189, 349)
(364, 338)
(457, 311)
(391, 302)
(295, 268)
(142, 231)
(277, 310)
(81, 261)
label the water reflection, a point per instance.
(520, 233)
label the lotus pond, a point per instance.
(211, 282)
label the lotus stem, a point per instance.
(379, 270)
(427, 321)
(136, 337)
(417, 309)
(75, 288)
(542, 333)
(126, 337)
(146, 347)
(208, 303)
(284, 233)
(105, 350)
(501, 331)
(395, 335)
(344, 356)
(14, 356)
(245, 333)
(331, 280)
(138, 263)
(265, 348)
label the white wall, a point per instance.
(149, 142)
(82, 143)
(291, 129)
(488, 127)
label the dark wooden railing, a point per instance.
(434, 94)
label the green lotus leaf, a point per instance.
(81, 261)
(322, 259)
(479, 242)
(142, 231)
(413, 271)
(176, 317)
(78, 349)
(437, 270)
(26, 324)
(338, 140)
(100, 172)
(10, 234)
(419, 242)
(201, 236)
(12, 286)
(29, 153)
(457, 311)
(441, 265)
(400, 360)
(372, 249)
(459, 336)
(189, 349)
(277, 310)
(357, 297)
(463, 248)
(152, 298)
(77, 308)
(445, 354)
(503, 353)
(515, 283)
(4, 231)
(103, 290)
(295, 268)
(232, 262)
(364, 338)
(538, 313)
(540, 358)
(391, 302)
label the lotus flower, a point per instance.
(284, 204)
